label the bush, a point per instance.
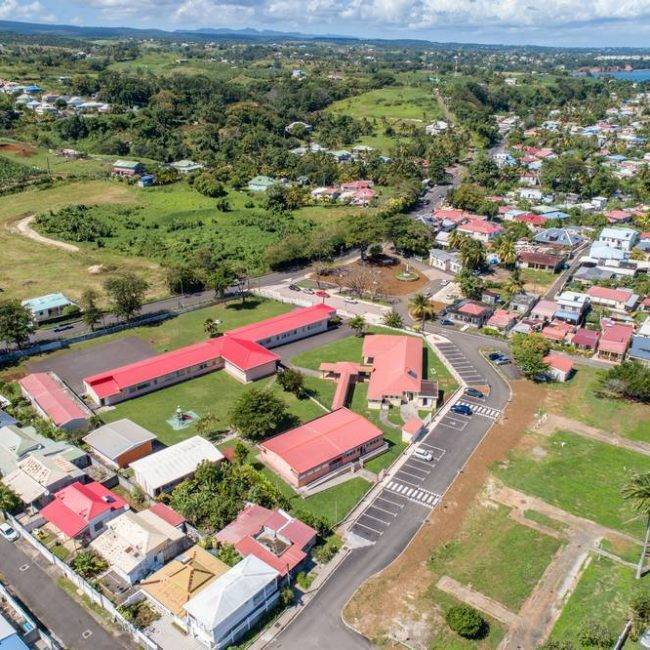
(596, 635)
(208, 185)
(466, 621)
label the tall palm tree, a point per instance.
(507, 253)
(472, 254)
(420, 308)
(457, 239)
(9, 500)
(358, 324)
(637, 490)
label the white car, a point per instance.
(350, 301)
(423, 454)
(8, 532)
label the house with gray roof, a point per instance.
(120, 443)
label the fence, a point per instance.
(85, 587)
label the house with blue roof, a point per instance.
(560, 237)
(48, 307)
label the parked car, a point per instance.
(423, 454)
(446, 321)
(9, 533)
(461, 409)
(308, 290)
(502, 361)
(473, 392)
(350, 301)
(63, 328)
(321, 294)
(294, 287)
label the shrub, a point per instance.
(466, 621)
(596, 635)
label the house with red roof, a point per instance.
(273, 536)
(534, 221)
(453, 216)
(585, 339)
(242, 352)
(615, 340)
(333, 442)
(620, 300)
(480, 230)
(81, 511)
(54, 401)
(557, 331)
(501, 320)
(470, 312)
(540, 260)
(559, 366)
(618, 216)
(411, 429)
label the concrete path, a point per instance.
(550, 423)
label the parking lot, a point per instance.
(462, 365)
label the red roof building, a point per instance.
(482, 230)
(615, 340)
(585, 339)
(275, 537)
(242, 352)
(168, 514)
(622, 300)
(55, 401)
(540, 260)
(531, 219)
(471, 312)
(559, 366)
(502, 319)
(321, 446)
(82, 510)
(453, 216)
(618, 216)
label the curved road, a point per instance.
(386, 526)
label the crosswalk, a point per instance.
(482, 409)
(417, 495)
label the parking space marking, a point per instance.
(23, 567)
(404, 480)
(388, 512)
(415, 473)
(379, 519)
(420, 495)
(424, 463)
(377, 532)
(86, 634)
(482, 409)
(383, 497)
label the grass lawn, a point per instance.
(537, 277)
(577, 399)
(581, 476)
(602, 594)
(495, 556)
(394, 103)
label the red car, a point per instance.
(322, 294)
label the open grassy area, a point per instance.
(495, 556)
(538, 278)
(581, 476)
(394, 103)
(602, 595)
(577, 399)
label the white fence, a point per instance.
(85, 587)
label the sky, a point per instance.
(580, 23)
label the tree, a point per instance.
(472, 254)
(628, 380)
(514, 284)
(639, 614)
(87, 564)
(181, 279)
(595, 634)
(228, 554)
(211, 327)
(91, 312)
(210, 426)
(209, 185)
(291, 381)
(637, 490)
(529, 351)
(15, 322)
(507, 253)
(222, 279)
(393, 319)
(241, 452)
(421, 308)
(126, 293)
(358, 324)
(471, 286)
(258, 414)
(466, 621)
(9, 501)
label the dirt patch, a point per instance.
(382, 279)
(381, 600)
(22, 150)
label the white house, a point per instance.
(445, 261)
(163, 470)
(47, 307)
(623, 238)
(572, 306)
(231, 605)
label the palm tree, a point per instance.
(358, 324)
(514, 284)
(9, 500)
(211, 327)
(637, 490)
(457, 239)
(88, 565)
(472, 254)
(420, 308)
(393, 319)
(507, 253)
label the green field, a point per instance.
(580, 476)
(495, 556)
(538, 278)
(577, 399)
(603, 595)
(394, 104)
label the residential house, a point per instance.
(615, 339)
(559, 238)
(557, 331)
(82, 511)
(48, 307)
(147, 180)
(620, 300)
(623, 238)
(640, 347)
(181, 579)
(449, 262)
(136, 543)
(330, 443)
(186, 166)
(618, 216)
(483, 231)
(161, 471)
(436, 128)
(411, 430)
(274, 536)
(228, 608)
(261, 183)
(490, 297)
(501, 320)
(559, 366)
(585, 339)
(572, 306)
(341, 156)
(470, 312)
(54, 401)
(127, 168)
(530, 194)
(522, 303)
(539, 260)
(326, 193)
(544, 310)
(121, 442)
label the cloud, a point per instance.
(15, 10)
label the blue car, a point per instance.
(461, 409)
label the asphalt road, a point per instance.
(396, 513)
(51, 605)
